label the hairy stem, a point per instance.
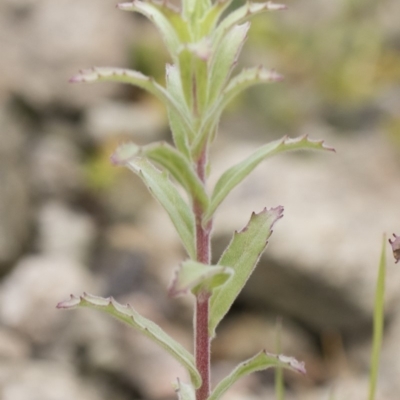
(202, 339)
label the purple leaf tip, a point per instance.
(395, 243)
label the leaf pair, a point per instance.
(174, 163)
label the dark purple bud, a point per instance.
(395, 243)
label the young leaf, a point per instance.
(194, 276)
(210, 19)
(242, 14)
(240, 82)
(225, 58)
(128, 314)
(185, 391)
(379, 317)
(166, 193)
(245, 79)
(242, 255)
(234, 175)
(180, 132)
(202, 51)
(161, 15)
(193, 11)
(260, 362)
(173, 161)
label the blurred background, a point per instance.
(70, 222)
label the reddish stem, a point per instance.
(202, 346)
(202, 339)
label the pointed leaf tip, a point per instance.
(276, 6)
(124, 153)
(293, 363)
(71, 303)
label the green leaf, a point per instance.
(224, 59)
(179, 167)
(167, 194)
(128, 314)
(109, 74)
(195, 276)
(185, 391)
(193, 11)
(185, 59)
(261, 361)
(242, 255)
(234, 175)
(193, 61)
(106, 74)
(379, 319)
(162, 16)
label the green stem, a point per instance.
(379, 316)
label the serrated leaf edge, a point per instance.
(129, 315)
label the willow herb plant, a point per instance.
(204, 41)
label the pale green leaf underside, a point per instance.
(260, 362)
(195, 276)
(161, 187)
(179, 167)
(234, 175)
(242, 255)
(128, 314)
(185, 391)
(160, 16)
